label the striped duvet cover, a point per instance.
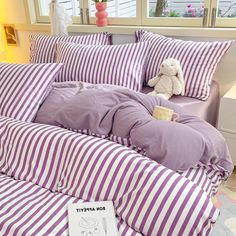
(28, 209)
(45, 168)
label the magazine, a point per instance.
(92, 219)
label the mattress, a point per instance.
(206, 110)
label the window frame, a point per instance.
(172, 21)
(121, 20)
(84, 4)
(45, 19)
(220, 21)
(142, 18)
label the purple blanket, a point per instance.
(110, 110)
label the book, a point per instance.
(92, 219)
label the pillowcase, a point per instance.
(24, 87)
(121, 65)
(198, 60)
(43, 47)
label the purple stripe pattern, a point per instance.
(198, 60)
(23, 88)
(121, 65)
(28, 209)
(43, 47)
(208, 177)
(149, 198)
(117, 139)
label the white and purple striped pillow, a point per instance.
(43, 47)
(23, 88)
(198, 60)
(121, 65)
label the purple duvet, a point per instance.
(109, 110)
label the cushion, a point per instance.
(43, 47)
(24, 87)
(198, 60)
(121, 65)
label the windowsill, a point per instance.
(225, 33)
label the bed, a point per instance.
(77, 140)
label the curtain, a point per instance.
(59, 19)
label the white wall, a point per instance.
(13, 12)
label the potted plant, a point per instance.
(101, 14)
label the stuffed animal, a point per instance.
(170, 80)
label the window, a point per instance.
(149, 12)
(227, 8)
(176, 8)
(71, 6)
(175, 12)
(118, 8)
(120, 11)
(224, 13)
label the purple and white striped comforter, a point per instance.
(50, 166)
(28, 209)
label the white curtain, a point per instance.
(59, 19)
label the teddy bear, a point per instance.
(170, 80)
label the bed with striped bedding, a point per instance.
(45, 168)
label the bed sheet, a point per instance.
(207, 110)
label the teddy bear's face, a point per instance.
(169, 67)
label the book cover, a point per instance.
(92, 219)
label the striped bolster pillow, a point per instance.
(43, 47)
(24, 87)
(198, 60)
(121, 65)
(150, 198)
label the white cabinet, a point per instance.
(227, 120)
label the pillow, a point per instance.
(43, 47)
(24, 87)
(117, 64)
(198, 60)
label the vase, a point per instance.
(101, 14)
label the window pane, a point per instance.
(227, 8)
(117, 8)
(71, 6)
(176, 8)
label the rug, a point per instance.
(225, 200)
